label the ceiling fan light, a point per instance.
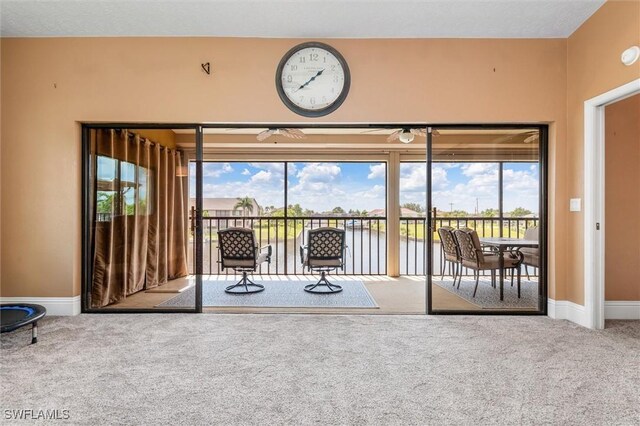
(406, 137)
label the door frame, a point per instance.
(543, 216)
(199, 132)
(594, 199)
(86, 250)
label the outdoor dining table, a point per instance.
(503, 244)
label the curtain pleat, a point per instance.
(142, 244)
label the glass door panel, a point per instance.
(136, 232)
(487, 217)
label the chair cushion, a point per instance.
(530, 251)
(492, 261)
(451, 257)
(531, 260)
(318, 263)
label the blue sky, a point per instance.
(321, 186)
(461, 185)
(318, 186)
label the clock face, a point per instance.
(313, 79)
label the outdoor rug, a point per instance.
(277, 294)
(488, 297)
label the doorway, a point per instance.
(622, 239)
(392, 247)
(487, 204)
(594, 201)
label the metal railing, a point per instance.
(365, 241)
(413, 241)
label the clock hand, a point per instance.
(310, 80)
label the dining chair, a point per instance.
(451, 253)
(531, 254)
(473, 257)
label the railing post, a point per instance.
(393, 215)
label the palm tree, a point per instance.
(246, 204)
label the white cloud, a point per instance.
(319, 172)
(474, 169)
(264, 176)
(377, 171)
(216, 169)
(320, 187)
(377, 192)
(246, 172)
(413, 177)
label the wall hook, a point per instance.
(206, 68)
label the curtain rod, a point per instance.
(152, 143)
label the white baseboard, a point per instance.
(564, 309)
(622, 309)
(56, 306)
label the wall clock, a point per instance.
(313, 79)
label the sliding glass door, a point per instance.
(136, 219)
(487, 211)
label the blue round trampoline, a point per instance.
(16, 315)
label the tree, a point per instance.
(294, 210)
(106, 202)
(414, 206)
(454, 213)
(337, 210)
(520, 212)
(246, 204)
(490, 213)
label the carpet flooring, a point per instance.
(277, 294)
(181, 369)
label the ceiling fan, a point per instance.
(404, 134)
(286, 132)
(531, 136)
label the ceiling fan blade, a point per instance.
(266, 134)
(531, 138)
(394, 136)
(293, 133)
(380, 129)
(420, 131)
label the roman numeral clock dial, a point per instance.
(313, 79)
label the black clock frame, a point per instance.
(320, 112)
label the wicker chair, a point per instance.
(324, 252)
(531, 254)
(474, 258)
(451, 253)
(238, 251)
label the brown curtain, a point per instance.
(138, 210)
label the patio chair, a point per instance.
(531, 254)
(451, 252)
(324, 253)
(238, 251)
(473, 257)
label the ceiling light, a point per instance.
(630, 56)
(406, 136)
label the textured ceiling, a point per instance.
(296, 18)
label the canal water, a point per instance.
(366, 254)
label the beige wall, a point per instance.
(49, 85)
(593, 68)
(622, 192)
